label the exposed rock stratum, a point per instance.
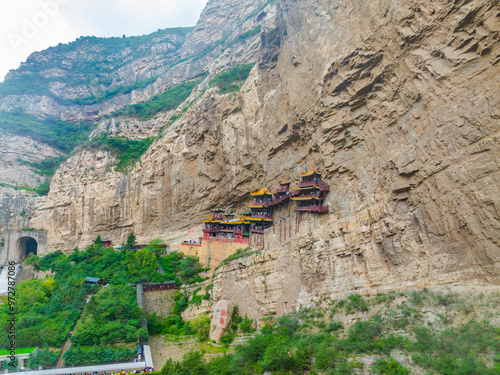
(397, 103)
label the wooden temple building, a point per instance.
(261, 211)
(309, 196)
(224, 226)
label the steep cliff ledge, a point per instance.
(397, 104)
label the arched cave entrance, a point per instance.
(27, 246)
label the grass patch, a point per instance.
(128, 151)
(42, 189)
(165, 101)
(240, 253)
(233, 79)
(460, 350)
(389, 367)
(63, 135)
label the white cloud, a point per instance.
(33, 25)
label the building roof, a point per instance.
(310, 173)
(256, 206)
(306, 199)
(255, 218)
(258, 219)
(285, 183)
(262, 191)
(93, 279)
(218, 210)
(233, 222)
(211, 220)
(163, 283)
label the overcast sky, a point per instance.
(27, 26)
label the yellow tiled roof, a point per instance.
(255, 218)
(262, 191)
(310, 173)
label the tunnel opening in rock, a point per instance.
(27, 246)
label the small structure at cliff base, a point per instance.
(221, 319)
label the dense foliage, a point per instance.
(233, 79)
(42, 189)
(111, 316)
(128, 151)
(181, 268)
(47, 167)
(62, 135)
(165, 101)
(307, 342)
(47, 310)
(43, 357)
(77, 355)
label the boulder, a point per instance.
(221, 319)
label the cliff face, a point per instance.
(396, 103)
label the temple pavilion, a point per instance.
(310, 195)
(283, 194)
(223, 225)
(261, 215)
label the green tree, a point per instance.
(142, 265)
(156, 246)
(131, 243)
(98, 241)
(44, 357)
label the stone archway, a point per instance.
(19, 243)
(27, 245)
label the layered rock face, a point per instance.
(397, 103)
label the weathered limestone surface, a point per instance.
(221, 319)
(397, 103)
(160, 302)
(15, 153)
(212, 253)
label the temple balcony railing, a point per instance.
(269, 216)
(311, 195)
(280, 200)
(282, 190)
(309, 184)
(211, 230)
(320, 209)
(255, 230)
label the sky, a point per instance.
(27, 26)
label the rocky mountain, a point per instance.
(397, 103)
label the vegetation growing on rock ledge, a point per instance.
(62, 135)
(386, 334)
(49, 309)
(166, 101)
(233, 79)
(128, 151)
